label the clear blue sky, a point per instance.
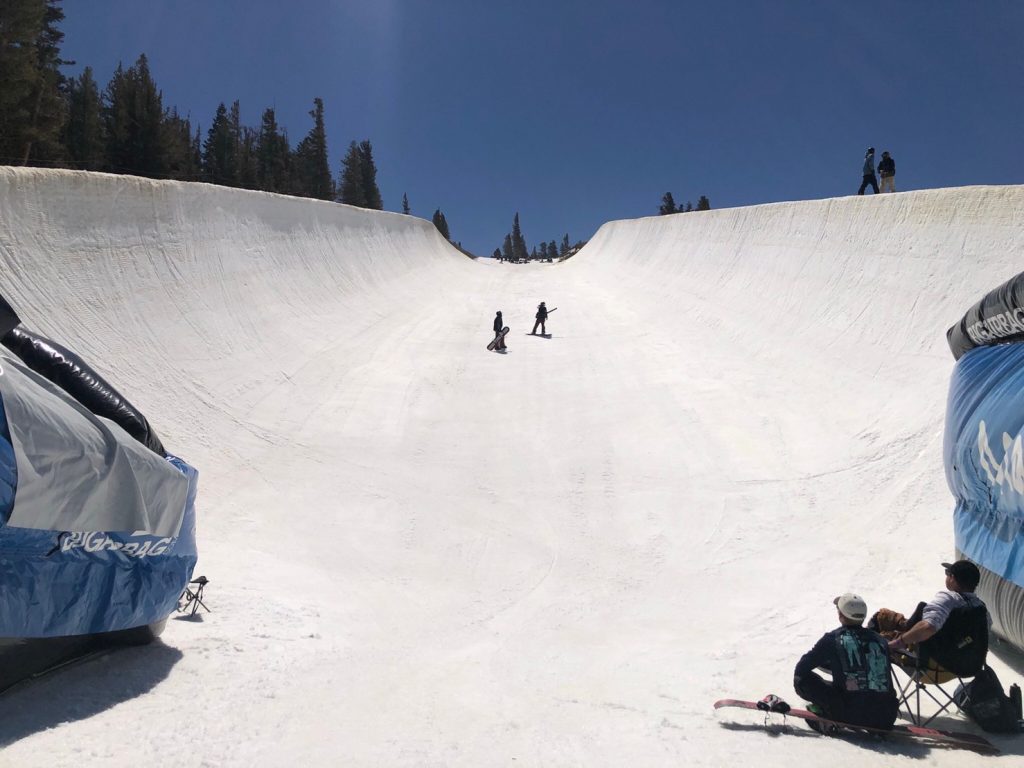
(576, 112)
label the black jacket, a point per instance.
(861, 690)
(542, 313)
(887, 167)
(497, 323)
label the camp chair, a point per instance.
(192, 596)
(955, 652)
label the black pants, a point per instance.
(541, 324)
(874, 710)
(868, 179)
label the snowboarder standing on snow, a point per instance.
(887, 170)
(540, 318)
(869, 172)
(861, 691)
(498, 325)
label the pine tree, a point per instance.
(133, 118)
(313, 170)
(703, 204)
(178, 149)
(565, 245)
(442, 224)
(496, 254)
(688, 209)
(271, 155)
(84, 140)
(552, 250)
(48, 106)
(405, 204)
(506, 248)
(220, 152)
(352, 189)
(31, 103)
(668, 205)
(248, 160)
(370, 190)
(21, 25)
(519, 251)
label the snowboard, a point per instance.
(494, 341)
(913, 732)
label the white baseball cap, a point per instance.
(852, 606)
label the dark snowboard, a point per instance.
(497, 337)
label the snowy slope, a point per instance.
(422, 553)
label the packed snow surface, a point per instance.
(422, 553)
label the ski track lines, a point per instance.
(424, 553)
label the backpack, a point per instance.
(983, 700)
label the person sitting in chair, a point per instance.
(962, 579)
(861, 691)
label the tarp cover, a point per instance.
(78, 472)
(58, 584)
(998, 317)
(984, 460)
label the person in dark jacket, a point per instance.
(887, 171)
(861, 690)
(539, 319)
(498, 325)
(869, 172)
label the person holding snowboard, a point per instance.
(498, 325)
(869, 172)
(861, 691)
(887, 172)
(539, 319)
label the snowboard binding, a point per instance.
(772, 703)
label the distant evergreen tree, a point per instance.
(84, 140)
(32, 107)
(496, 254)
(442, 224)
(565, 245)
(353, 190)
(506, 248)
(220, 153)
(668, 205)
(133, 118)
(48, 104)
(180, 159)
(519, 251)
(405, 204)
(248, 158)
(688, 209)
(552, 250)
(703, 204)
(272, 155)
(312, 168)
(370, 190)
(20, 28)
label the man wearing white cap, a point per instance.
(861, 691)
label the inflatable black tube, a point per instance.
(72, 374)
(1005, 601)
(9, 319)
(997, 318)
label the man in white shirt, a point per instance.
(962, 579)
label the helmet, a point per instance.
(871, 150)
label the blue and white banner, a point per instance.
(984, 457)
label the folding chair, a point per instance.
(955, 652)
(192, 596)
